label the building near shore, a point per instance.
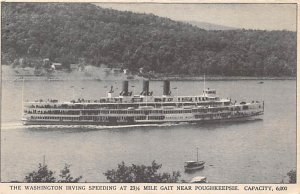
(56, 66)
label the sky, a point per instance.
(248, 16)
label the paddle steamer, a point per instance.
(126, 108)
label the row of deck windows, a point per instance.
(97, 112)
(186, 99)
(54, 118)
(85, 118)
(52, 112)
(70, 118)
(120, 106)
(124, 118)
(157, 99)
(212, 115)
(156, 117)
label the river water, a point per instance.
(260, 151)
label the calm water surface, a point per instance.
(260, 151)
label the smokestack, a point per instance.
(125, 88)
(145, 87)
(166, 91)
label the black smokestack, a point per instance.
(146, 87)
(166, 88)
(125, 88)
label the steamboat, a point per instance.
(126, 108)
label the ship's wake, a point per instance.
(5, 127)
(11, 126)
(14, 126)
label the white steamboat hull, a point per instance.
(254, 116)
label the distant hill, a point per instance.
(85, 33)
(210, 26)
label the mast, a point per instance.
(44, 160)
(197, 154)
(175, 88)
(204, 85)
(73, 92)
(23, 98)
(204, 82)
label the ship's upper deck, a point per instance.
(133, 99)
(145, 97)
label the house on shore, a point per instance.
(56, 66)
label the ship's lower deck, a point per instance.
(114, 120)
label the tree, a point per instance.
(292, 176)
(140, 174)
(42, 175)
(66, 176)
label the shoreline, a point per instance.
(220, 78)
(106, 74)
(171, 78)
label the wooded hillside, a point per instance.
(75, 32)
